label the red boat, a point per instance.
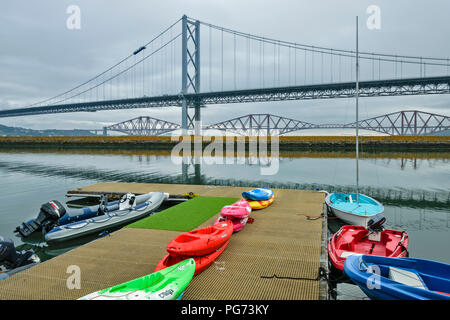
(357, 240)
(201, 262)
(201, 241)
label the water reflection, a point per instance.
(414, 187)
(386, 187)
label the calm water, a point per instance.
(415, 189)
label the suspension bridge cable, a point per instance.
(210, 57)
(125, 70)
(234, 61)
(104, 72)
(348, 53)
(324, 49)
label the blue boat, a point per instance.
(384, 278)
(352, 208)
(258, 194)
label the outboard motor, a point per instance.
(11, 259)
(47, 218)
(376, 223)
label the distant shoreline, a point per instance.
(294, 143)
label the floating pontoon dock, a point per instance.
(276, 257)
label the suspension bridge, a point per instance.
(237, 67)
(402, 123)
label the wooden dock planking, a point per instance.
(281, 242)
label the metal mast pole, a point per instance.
(357, 111)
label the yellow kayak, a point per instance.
(261, 204)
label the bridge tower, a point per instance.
(190, 73)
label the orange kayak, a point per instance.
(201, 241)
(201, 262)
(261, 204)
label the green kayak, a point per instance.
(166, 284)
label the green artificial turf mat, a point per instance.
(185, 216)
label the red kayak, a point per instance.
(202, 241)
(357, 240)
(201, 262)
(238, 224)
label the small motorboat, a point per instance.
(13, 261)
(357, 240)
(201, 262)
(383, 278)
(167, 284)
(53, 213)
(126, 213)
(201, 241)
(352, 208)
(238, 223)
(258, 194)
(261, 204)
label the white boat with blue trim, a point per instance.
(346, 207)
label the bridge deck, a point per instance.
(280, 242)
(374, 88)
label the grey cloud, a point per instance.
(40, 57)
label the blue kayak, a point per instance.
(258, 194)
(383, 278)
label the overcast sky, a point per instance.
(40, 57)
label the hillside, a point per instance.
(21, 132)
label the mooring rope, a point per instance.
(322, 274)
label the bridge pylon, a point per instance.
(190, 74)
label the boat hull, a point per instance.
(201, 262)
(258, 194)
(105, 221)
(372, 275)
(167, 284)
(358, 219)
(238, 224)
(355, 240)
(201, 241)
(261, 204)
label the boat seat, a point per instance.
(346, 254)
(406, 277)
